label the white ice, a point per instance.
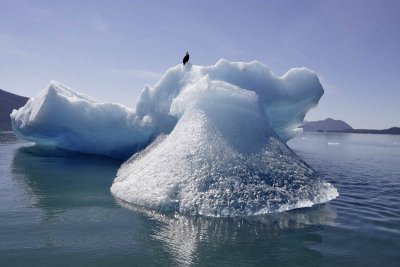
(219, 133)
(66, 119)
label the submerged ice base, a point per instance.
(219, 131)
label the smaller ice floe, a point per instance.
(333, 143)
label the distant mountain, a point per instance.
(8, 102)
(327, 125)
(339, 126)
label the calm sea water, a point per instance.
(56, 210)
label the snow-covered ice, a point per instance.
(66, 119)
(219, 138)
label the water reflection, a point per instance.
(193, 240)
(63, 185)
(8, 137)
(57, 180)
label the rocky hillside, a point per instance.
(8, 102)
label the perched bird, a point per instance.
(186, 58)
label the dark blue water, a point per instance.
(56, 210)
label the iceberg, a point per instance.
(206, 140)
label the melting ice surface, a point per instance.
(211, 140)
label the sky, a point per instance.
(111, 49)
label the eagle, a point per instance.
(186, 58)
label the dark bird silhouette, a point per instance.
(186, 58)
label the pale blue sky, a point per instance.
(111, 49)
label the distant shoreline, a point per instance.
(390, 131)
